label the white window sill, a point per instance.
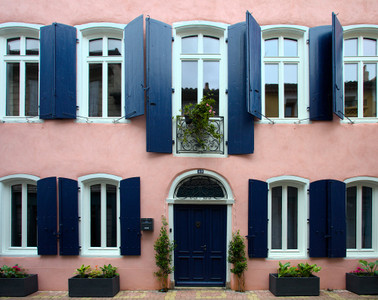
(102, 252)
(359, 120)
(293, 254)
(15, 251)
(283, 121)
(35, 119)
(368, 253)
(118, 120)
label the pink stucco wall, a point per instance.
(68, 149)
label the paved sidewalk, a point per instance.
(198, 294)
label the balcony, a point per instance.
(190, 146)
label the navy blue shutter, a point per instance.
(337, 67)
(58, 72)
(257, 218)
(47, 216)
(337, 218)
(130, 216)
(320, 52)
(68, 217)
(240, 122)
(159, 86)
(253, 66)
(134, 68)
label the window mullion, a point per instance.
(360, 89)
(281, 92)
(105, 89)
(103, 215)
(359, 218)
(284, 217)
(200, 80)
(24, 206)
(22, 88)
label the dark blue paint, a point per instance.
(337, 67)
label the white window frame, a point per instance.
(299, 33)
(200, 28)
(359, 182)
(85, 216)
(23, 31)
(87, 32)
(302, 185)
(360, 32)
(5, 213)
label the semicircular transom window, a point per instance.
(200, 187)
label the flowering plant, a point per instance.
(367, 268)
(12, 272)
(301, 270)
(107, 271)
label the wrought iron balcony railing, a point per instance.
(211, 145)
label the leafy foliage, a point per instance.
(367, 268)
(301, 270)
(107, 271)
(12, 272)
(236, 254)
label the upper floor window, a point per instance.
(20, 71)
(360, 72)
(283, 73)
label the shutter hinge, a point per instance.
(173, 90)
(77, 41)
(173, 142)
(226, 40)
(226, 143)
(173, 38)
(307, 41)
(226, 91)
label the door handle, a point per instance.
(204, 247)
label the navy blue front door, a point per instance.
(200, 253)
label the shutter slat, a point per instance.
(257, 219)
(68, 217)
(337, 67)
(47, 216)
(134, 68)
(130, 216)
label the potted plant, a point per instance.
(15, 282)
(163, 256)
(103, 282)
(236, 256)
(363, 280)
(295, 281)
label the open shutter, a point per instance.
(337, 67)
(253, 66)
(159, 86)
(320, 52)
(46, 216)
(257, 218)
(240, 122)
(58, 72)
(134, 68)
(130, 216)
(68, 217)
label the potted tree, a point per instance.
(363, 280)
(236, 256)
(15, 282)
(163, 256)
(103, 282)
(295, 281)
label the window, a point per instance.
(283, 73)
(100, 227)
(361, 212)
(287, 214)
(19, 56)
(19, 215)
(360, 72)
(101, 64)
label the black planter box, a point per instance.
(18, 287)
(362, 285)
(93, 287)
(294, 286)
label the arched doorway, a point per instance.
(200, 219)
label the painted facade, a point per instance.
(292, 152)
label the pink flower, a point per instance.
(207, 104)
(210, 111)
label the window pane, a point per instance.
(351, 89)
(350, 47)
(13, 89)
(367, 222)
(370, 90)
(277, 218)
(271, 90)
(96, 215)
(211, 82)
(271, 47)
(95, 90)
(31, 89)
(291, 90)
(210, 44)
(189, 83)
(292, 218)
(111, 215)
(189, 44)
(114, 47)
(16, 222)
(13, 46)
(290, 47)
(32, 46)
(32, 215)
(370, 47)
(351, 208)
(95, 47)
(114, 90)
